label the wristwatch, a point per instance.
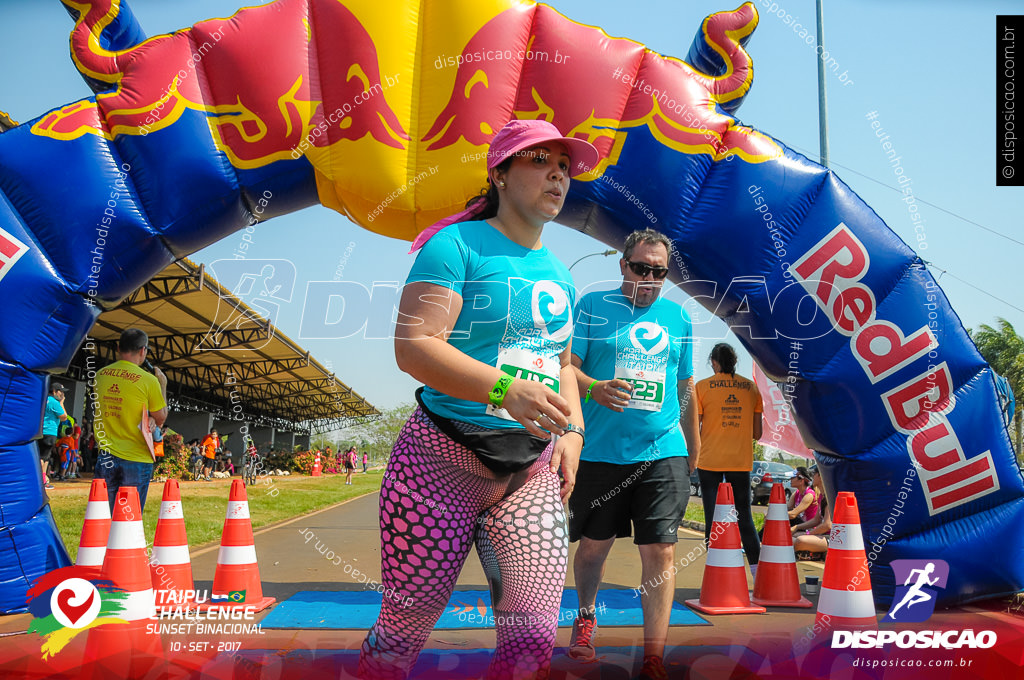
(577, 429)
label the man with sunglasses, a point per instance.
(632, 355)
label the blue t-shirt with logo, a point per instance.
(517, 308)
(51, 417)
(647, 346)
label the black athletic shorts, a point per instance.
(46, 447)
(648, 497)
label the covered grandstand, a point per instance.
(226, 363)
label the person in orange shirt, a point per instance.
(210, 444)
(729, 411)
(65, 452)
(74, 454)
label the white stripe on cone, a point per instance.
(171, 510)
(725, 513)
(777, 511)
(126, 536)
(853, 604)
(97, 510)
(91, 556)
(237, 554)
(779, 554)
(138, 605)
(846, 537)
(717, 557)
(238, 510)
(170, 554)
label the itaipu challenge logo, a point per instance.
(69, 601)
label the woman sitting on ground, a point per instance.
(803, 504)
(811, 537)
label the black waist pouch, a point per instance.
(502, 451)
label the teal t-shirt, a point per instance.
(647, 346)
(517, 309)
(51, 416)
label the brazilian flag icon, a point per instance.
(237, 596)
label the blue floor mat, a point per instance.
(358, 610)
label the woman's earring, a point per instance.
(501, 184)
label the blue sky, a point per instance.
(926, 69)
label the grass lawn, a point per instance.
(695, 512)
(271, 500)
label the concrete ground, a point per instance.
(289, 564)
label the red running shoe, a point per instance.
(581, 646)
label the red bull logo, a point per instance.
(258, 111)
(327, 72)
(832, 272)
(583, 93)
(11, 250)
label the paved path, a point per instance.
(289, 563)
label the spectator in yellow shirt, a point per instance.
(123, 389)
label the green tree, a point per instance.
(322, 442)
(1003, 349)
(759, 451)
(378, 434)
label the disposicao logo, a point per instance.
(913, 602)
(66, 602)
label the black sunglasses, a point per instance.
(643, 269)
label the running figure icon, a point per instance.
(915, 595)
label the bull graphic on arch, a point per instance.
(312, 101)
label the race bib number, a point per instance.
(648, 388)
(522, 364)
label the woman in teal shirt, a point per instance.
(485, 323)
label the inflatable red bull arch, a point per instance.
(333, 102)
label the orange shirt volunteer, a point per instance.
(727, 405)
(210, 444)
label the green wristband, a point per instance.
(588, 390)
(497, 394)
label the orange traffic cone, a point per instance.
(776, 583)
(236, 582)
(724, 588)
(96, 529)
(846, 602)
(171, 565)
(119, 649)
(316, 465)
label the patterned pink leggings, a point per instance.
(436, 501)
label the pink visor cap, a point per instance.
(522, 134)
(516, 136)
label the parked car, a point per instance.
(766, 473)
(694, 485)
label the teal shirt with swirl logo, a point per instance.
(650, 347)
(517, 309)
